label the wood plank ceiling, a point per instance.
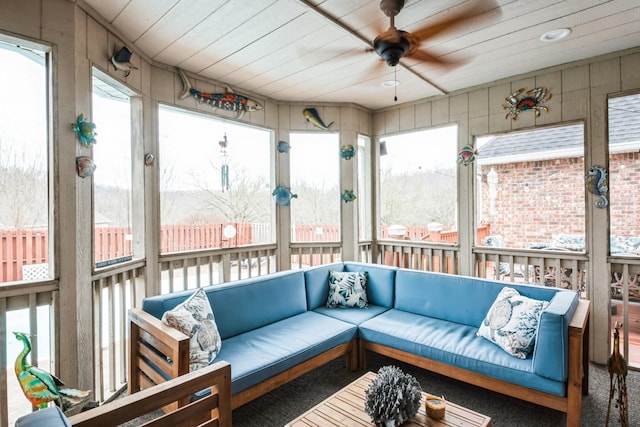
(316, 51)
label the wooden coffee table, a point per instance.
(346, 408)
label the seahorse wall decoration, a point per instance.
(596, 181)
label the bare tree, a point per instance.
(418, 198)
(316, 205)
(246, 200)
(23, 191)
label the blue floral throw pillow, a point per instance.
(194, 318)
(512, 322)
(347, 289)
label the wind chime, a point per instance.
(224, 157)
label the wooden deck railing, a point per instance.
(33, 308)
(30, 247)
(564, 269)
(191, 270)
(115, 290)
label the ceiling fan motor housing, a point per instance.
(391, 7)
(391, 51)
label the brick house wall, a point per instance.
(537, 199)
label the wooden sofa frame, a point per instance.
(213, 410)
(174, 345)
(577, 382)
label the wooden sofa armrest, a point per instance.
(579, 342)
(578, 380)
(154, 347)
(216, 406)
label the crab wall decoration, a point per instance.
(532, 100)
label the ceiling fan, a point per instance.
(394, 44)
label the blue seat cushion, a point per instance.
(454, 344)
(352, 315)
(48, 417)
(270, 350)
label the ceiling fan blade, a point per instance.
(423, 56)
(480, 12)
(444, 64)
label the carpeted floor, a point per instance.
(294, 398)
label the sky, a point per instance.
(314, 156)
(22, 114)
(432, 149)
(190, 143)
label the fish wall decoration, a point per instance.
(283, 195)
(121, 60)
(596, 181)
(467, 155)
(228, 100)
(347, 151)
(85, 166)
(283, 147)
(348, 196)
(312, 116)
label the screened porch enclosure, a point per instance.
(77, 252)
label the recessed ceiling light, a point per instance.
(555, 35)
(391, 83)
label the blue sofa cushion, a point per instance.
(352, 315)
(244, 305)
(347, 289)
(267, 351)
(552, 342)
(430, 294)
(48, 417)
(454, 344)
(380, 283)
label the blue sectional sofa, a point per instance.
(277, 327)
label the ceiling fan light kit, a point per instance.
(391, 49)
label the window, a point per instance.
(315, 178)
(25, 232)
(363, 157)
(624, 208)
(531, 189)
(112, 181)
(624, 175)
(24, 173)
(418, 185)
(215, 182)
